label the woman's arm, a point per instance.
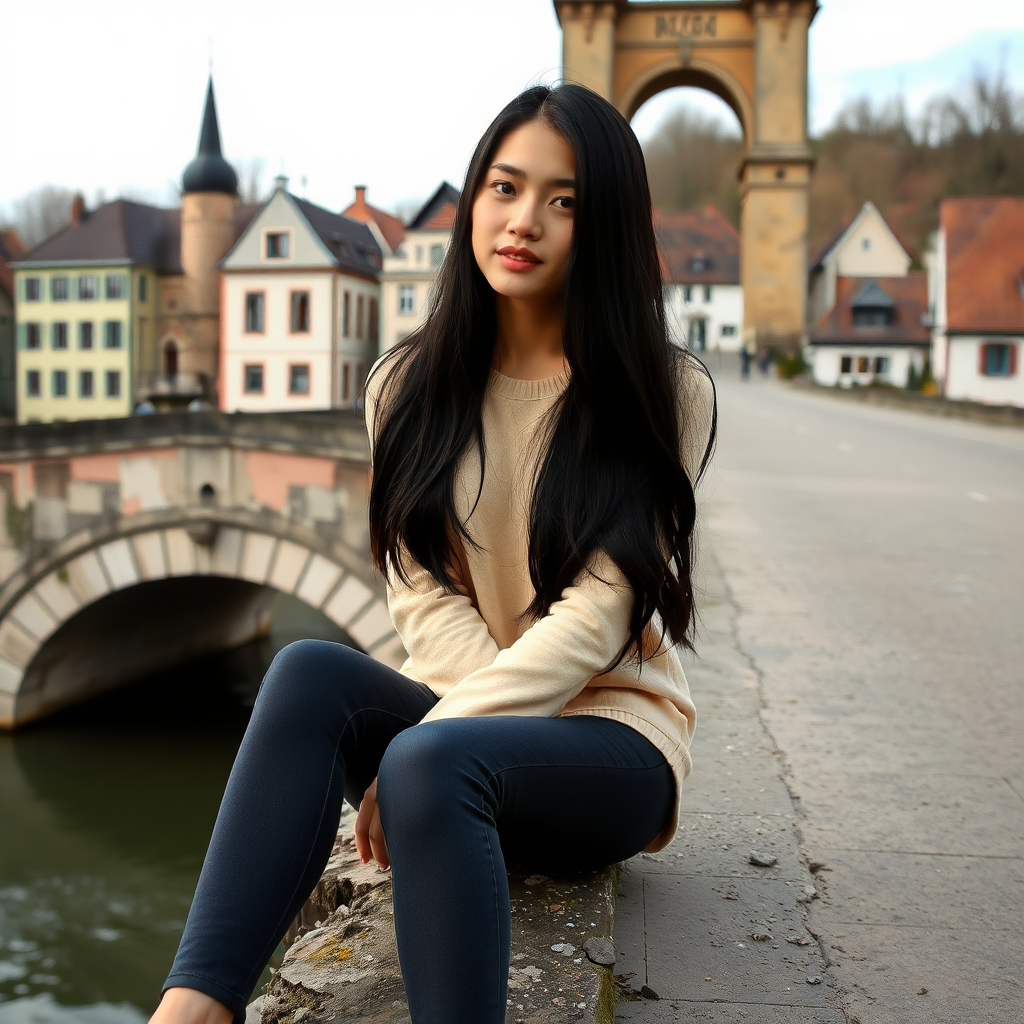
(555, 658)
(443, 633)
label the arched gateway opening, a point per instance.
(753, 55)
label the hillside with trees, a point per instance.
(970, 142)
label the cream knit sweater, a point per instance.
(472, 650)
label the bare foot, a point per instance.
(189, 1006)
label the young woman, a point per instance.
(535, 446)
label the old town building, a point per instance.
(300, 323)
(123, 305)
(700, 265)
(978, 335)
(409, 272)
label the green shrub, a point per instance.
(791, 364)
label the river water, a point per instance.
(105, 814)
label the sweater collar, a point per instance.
(525, 390)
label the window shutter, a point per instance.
(982, 359)
(22, 335)
(1013, 359)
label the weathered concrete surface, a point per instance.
(342, 962)
(875, 564)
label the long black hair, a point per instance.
(612, 477)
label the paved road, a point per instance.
(872, 564)
(877, 563)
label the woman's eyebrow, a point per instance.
(515, 172)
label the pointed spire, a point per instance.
(209, 171)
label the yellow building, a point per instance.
(83, 321)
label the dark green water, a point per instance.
(105, 813)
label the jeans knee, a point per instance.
(301, 670)
(417, 773)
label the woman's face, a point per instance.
(523, 213)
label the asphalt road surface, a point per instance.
(875, 560)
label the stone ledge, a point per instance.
(342, 964)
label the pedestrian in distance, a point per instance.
(535, 447)
(745, 363)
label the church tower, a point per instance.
(210, 188)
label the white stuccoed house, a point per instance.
(300, 303)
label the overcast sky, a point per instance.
(391, 93)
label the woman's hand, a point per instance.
(369, 833)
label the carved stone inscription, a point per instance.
(685, 26)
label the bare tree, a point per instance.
(692, 160)
(41, 213)
(406, 209)
(251, 189)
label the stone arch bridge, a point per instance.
(129, 544)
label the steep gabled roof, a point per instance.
(122, 231)
(697, 246)
(438, 211)
(906, 297)
(349, 241)
(819, 255)
(984, 263)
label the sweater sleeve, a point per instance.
(556, 657)
(444, 635)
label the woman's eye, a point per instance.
(504, 188)
(565, 202)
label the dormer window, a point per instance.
(865, 244)
(277, 245)
(872, 307)
(698, 264)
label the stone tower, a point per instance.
(210, 188)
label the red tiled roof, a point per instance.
(390, 226)
(686, 236)
(984, 263)
(909, 297)
(444, 218)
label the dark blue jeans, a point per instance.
(457, 797)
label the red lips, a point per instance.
(519, 254)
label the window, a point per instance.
(728, 330)
(33, 335)
(85, 335)
(865, 244)
(374, 321)
(687, 293)
(32, 289)
(60, 335)
(32, 389)
(346, 313)
(346, 381)
(277, 245)
(112, 338)
(419, 255)
(698, 264)
(298, 379)
(59, 383)
(862, 364)
(59, 289)
(115, 286)
(360, 307)
(142, 287)
(407, 299)
(882, 365)
(998, 360)
(436, 255)
(300, 312)
(252, 378)
(254, 312)
(845, 364)
(87, 287)
(113, 383)
(707, 293)
(85, 384)
(871, 316)
(698, 334)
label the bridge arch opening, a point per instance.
(160, 596)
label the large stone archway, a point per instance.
(753, 54)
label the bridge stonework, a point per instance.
(753, 55)
(117, 507)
